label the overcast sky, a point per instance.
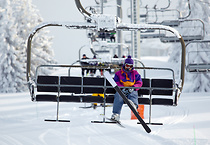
(66, 43)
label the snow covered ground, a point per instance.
(22, 123)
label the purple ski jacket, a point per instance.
(128, 79)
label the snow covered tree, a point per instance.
(199, 82)
(10, 70)
(17, 19)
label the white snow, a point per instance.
(22, 123)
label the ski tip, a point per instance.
(110, 79)
(148, 130)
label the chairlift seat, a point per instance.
(102, 51)
(110, 98)
(66, 81)
(144, 89)
(144, 101)
(69, 98)
(109, 89)
(201, 67)
(145, 36)
(94, 99)
(162, 101)
(81, 90)
(172, 23)
(147, 31)
(44, 82)
(143, 15)
(162, 87)
(186, 38)
(93, 85)
(46, 97)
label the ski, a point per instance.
(94, 107)
(115, 121)
(86, 107)
(114, 85)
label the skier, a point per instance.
(127, 77)
(84, 57)
(93, 63)
(112, 37)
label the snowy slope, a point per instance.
(22, 123)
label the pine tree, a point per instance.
(199, 81)
(17, 19)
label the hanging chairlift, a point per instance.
(102, 50)
(190, 29)
(176, 22)
(55, 83)
(168, 17)
(198, 60)
(33, 83)
(144, 11)
(109, 46)
(155, 16)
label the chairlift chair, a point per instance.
(32, 80)
(190, 29)
(195, 64)
(168, 17)
(158, 16)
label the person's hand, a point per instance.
(124, 90)
(130, 90)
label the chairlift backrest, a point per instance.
(162, 83)
(97, 82)
(43, 80)
(74, 81)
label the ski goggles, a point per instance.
(129, 65)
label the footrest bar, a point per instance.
(152, 123)
(51, 120)
(103, 122)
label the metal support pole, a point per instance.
(119, 32)
(102, 6)
(136, 34)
